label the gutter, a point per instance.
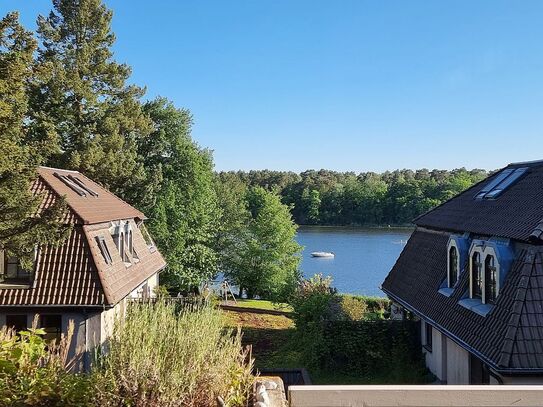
(464, 345)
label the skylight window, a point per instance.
(76, 184)
(500, 183)
(103, 249)
(82, 185)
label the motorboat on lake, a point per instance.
(323, 254)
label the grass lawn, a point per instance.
(271, 338)
(260, 304)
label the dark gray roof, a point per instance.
(517, 213)
(510, 337)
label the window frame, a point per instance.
(491, 286)
(22, 276)
(428, 336)
(51, 330)
(479, 264)
(101, 240)
(450, 272)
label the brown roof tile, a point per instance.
(75, 273)
(91, 209)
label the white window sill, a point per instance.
(446, 291)
(476, 305)
(5, 285)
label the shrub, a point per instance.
(32, 371)
(159, 356)
(353, 308)
(313, 302)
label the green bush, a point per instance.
(353, 308)
(32, 371)
(159, 356)
(373, 349)
(313, 302)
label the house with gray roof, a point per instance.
(472, 271)
(107, 260)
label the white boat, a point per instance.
(322, 254)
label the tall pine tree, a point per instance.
(84, 97)
(22, 225)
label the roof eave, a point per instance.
(461, 343)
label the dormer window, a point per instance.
(490, 261)
(12, 271)
(457, 251)
(453, 266)
(476, 276)
(491, 280)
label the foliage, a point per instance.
(22, 225)
(264, 258)
(314, 302)
(335, 198)
(32, 371)
(185, 215)
(353, 308)
(83, 97)
(159, 356)
(373, 307)
(370, 348)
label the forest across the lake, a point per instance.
(369, 199)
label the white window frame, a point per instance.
(484, 251)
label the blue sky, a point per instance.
(344, 85)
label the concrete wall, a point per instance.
(410, 396)
(457, 364)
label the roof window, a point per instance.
(103, 249)
(76, 184)
(500, 183)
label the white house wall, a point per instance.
(457, 364)
(435, 359)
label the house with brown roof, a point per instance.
(472, 271)
(108, 259)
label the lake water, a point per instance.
(363, 257)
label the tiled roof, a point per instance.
(90, 209)
(75, 273)
(510, 337)
(118, 280)
(64, 275)
(517, 213)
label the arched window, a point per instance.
(121, 245)
(476, 276)
(453, 266)
(130, 243)
(491, 280)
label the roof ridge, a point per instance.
(517, 308)
(59, 169)
(532, 162)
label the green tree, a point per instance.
(185, 216)
(83, 97)
(311, 203)
(231, 192)
(266, 262)
(22, 224)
